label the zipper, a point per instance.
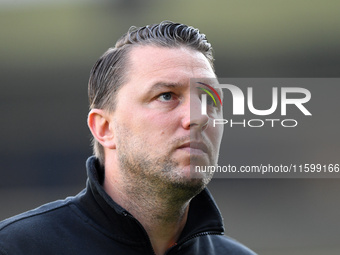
(192, 237)
(126, 214)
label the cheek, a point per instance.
(215, 134)
(151, 126)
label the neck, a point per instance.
(161, 209)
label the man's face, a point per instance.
(160, 133)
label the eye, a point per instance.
(167, 96)
(166, 100)
(210, 101)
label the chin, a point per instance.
(191, 178)
(187, 188)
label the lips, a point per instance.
(194, 147)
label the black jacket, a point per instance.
(92, 223)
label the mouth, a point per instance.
(194, 148)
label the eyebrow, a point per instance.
(217, 91)
(162, 85)
(167, 85)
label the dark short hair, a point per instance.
(108, 73)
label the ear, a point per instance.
(99, 122)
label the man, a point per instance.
(142, 195)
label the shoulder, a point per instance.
(220, 244)
(34, 227)
(33, 216)
(234, 247)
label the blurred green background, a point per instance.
(48, 48)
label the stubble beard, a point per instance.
(153, 176)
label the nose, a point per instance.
(193, 118)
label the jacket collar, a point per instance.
(203, 216)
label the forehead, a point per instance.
(161, 64)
